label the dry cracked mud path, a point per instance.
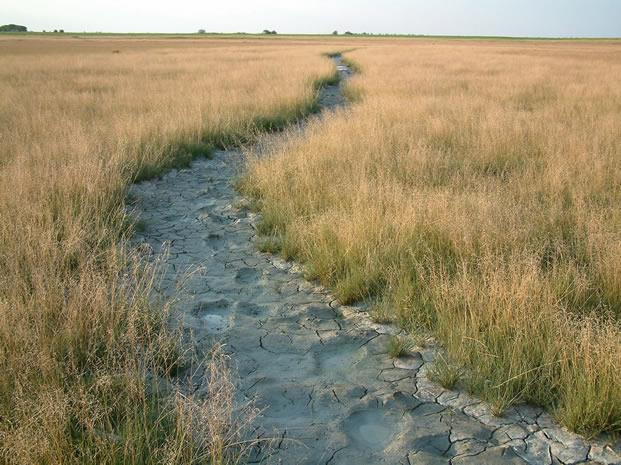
(318, 370)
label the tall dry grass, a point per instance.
(86, 356)
(473, 190)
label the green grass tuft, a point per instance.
(399, 346)
(270, 244)
(444, 372)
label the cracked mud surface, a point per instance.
(319, 371)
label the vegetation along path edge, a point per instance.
(328, 391)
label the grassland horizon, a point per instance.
(286, 35)
(470, 191)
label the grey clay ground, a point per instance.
(318, 370)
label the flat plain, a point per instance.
(468, 193)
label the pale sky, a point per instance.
(546, 18)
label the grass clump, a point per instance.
(399, 346)
(355, 284)
(444, 372)
(381, 314)
(330, 80)
(196, 150)
(270, 244)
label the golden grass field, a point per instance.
(80, 335)
(472, 191)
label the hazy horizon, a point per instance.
(528, 18)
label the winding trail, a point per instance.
(319, 370)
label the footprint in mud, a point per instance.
(247, 275)
(216, 324)
(214, 241)
(340, 361)
(319, 312)
(372, 429)
(216, 315)
(250, 309)
(277, 343)
(211, 306)
(206, 215)
(350, 362)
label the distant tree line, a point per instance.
(334, 33)
(18, 28)
(13, 28)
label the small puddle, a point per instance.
(215, 314)
(372, 429)
(216, 324)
